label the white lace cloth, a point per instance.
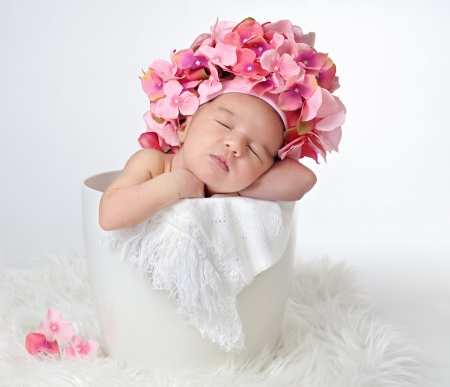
(204, 251)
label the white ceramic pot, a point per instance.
(138, 324)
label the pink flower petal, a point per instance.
(90, 348)
(45, 328)
(53, 315)
(172, 88)
(276, 41)
(288, 67)
(65, 331)
(184, 58)
(36, 342)
(312, 105)
(281, 26)
(149, 140)
(188, 104)
(165, 108)
(170, 135)
(152, 85)
(221, 29)
(164, 69)
(269, 59)
(332, 121)
(249, 28)
(199, 40)
(331, 139)
(290, 101)
(329, 104)
(70, 352)
(226, 54)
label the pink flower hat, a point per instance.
(273, 61)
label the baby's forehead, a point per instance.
(232, 103)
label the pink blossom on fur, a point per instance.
(37, 342)
(53, 327)
(76, 348)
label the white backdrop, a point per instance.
(71, 106)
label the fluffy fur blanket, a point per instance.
(330, 336)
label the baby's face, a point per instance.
(230, 142)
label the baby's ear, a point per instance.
(183, 129)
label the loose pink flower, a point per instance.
(176, 101)
(37, 342)
(76, 348)
(53, 327)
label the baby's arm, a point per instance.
(142, 189)
(287, 180)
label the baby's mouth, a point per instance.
(221, 162)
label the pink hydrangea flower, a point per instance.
(246, 66)
(76, 348)
(276, 58)
(297, 90)
(283, 67)
(185, 59)
(221, 55)
(176, 101)
(55, 328)
(246, 30)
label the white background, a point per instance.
(71, 106)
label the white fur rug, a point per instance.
(330, 336)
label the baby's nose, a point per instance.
(236, 142)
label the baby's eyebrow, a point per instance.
(226, 110)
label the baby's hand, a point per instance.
(189, 186)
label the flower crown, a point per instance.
(274, 61)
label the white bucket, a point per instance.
(138, 324)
